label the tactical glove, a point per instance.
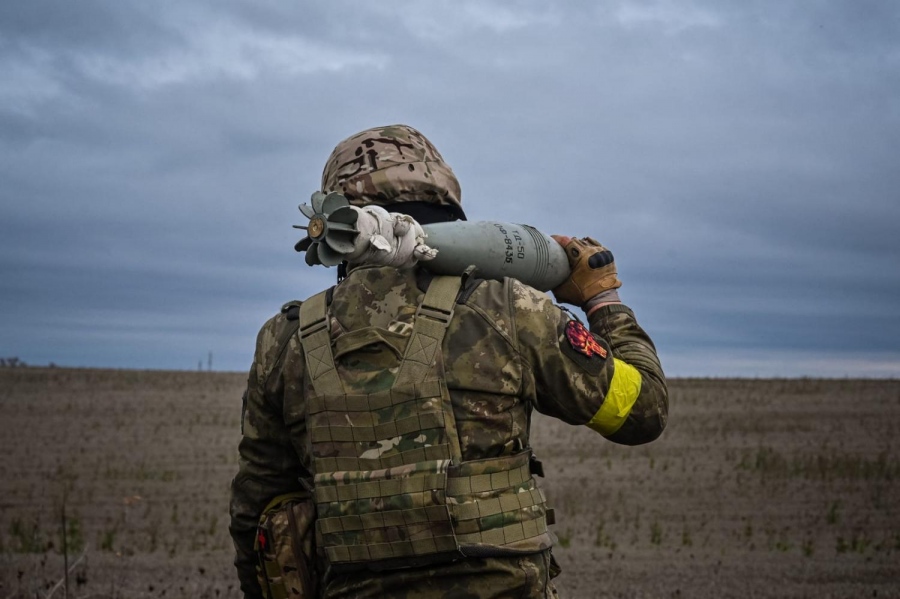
(593, 271)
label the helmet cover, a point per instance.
(390, 165)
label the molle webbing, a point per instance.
(390, 483)
(344, 427)
(387, 514)
(495, 502)
(503, 508)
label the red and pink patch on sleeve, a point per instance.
(582, 340)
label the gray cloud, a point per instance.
(740, 159)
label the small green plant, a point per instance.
(686, 540)
(72, 540)
(26, 538)
(565, 539)
(859, 542)
(173, 548)
(656, 533)
(808, 548)
(602, 539)
(108, 539)
(841, 545)
(213, 526)
(833, 515)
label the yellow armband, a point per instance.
(623, 392)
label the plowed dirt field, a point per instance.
(759, 488)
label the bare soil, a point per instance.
(759, 488)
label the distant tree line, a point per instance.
(17, 363)
(12, 363)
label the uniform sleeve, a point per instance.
(268, 465)
(607, 377)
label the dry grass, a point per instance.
(758, 489)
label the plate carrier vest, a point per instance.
(386, 508)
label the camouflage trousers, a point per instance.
(525, 577)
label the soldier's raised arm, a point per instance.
(607, 377)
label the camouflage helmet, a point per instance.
(388, 166)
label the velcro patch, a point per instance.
(583, 341)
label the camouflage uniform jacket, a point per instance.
(536, 357)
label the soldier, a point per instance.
(399, 404)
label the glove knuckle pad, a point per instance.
(600, 259)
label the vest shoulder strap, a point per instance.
(433, 315)
(315, 337)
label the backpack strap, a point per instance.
(432, 318)
(315, 338)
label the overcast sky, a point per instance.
(741, 159)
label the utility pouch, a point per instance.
(285, 545)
